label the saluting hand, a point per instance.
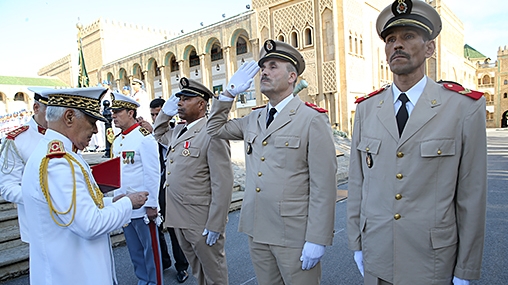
(170, 108)
(242, 79)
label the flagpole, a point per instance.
(83, 80)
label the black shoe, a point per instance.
(181, 276)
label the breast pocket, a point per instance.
(369, 148)
(190, 152)
(437, 148)
(249, 143)
(286, 148)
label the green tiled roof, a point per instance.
(470, 52)
(31, 81)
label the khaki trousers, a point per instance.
(281, 265)
(208, 263)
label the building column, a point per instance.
(165, 84)
(230, 63)
(254, 43)
(206, 70)
(184, 68)
(149, 84)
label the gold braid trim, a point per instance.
(7, 151)
(95, 192)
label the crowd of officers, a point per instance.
(417, 180)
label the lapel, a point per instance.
(386, 113)
(190, 133)
(283, 118)
(425, 109)
(261, 120)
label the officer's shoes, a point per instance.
(181, 276)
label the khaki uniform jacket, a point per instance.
(198, 185)
(434, 177)
(290, 189)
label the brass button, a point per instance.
(367, 149)
(167, 184)
(399, 176)
(259, 173)
(169, 172)
(258, 189)
(398, 196)
(265, 143)
(262, 158)
(400, 154)
(397, 216)
(286, 143)
(170, 161)
(172, 150)
(439, 152)
(121, 144)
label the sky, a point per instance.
(36, 33)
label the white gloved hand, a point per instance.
(311, 254)
(170, 108)
(211, 238)
(359, 261)
(458, 281)
(242, 79)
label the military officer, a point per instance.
(199, 182)
(140, 171)
(418, 166)
(289, 204)
(141, 96)
(15, 151)
(68, 217)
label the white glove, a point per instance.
(170, 108)
(458, 281)
(242, 79)
(359, 261)
(211, 238)
(311, 254)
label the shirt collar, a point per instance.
(413, 94)
(193, 123)
(130, 129)
(281, 104)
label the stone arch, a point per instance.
(328, 32)
(237, 34)
(137, 72)
(504, 120)
(294, 39)
(123, 79)
(308, 37)
(486, 79)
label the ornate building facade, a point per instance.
(344, 56)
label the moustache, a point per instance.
(263, 78)
(399, 53)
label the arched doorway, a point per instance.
(504, 120)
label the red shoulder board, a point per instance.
(315, 107)
(12, 135)
(464, 91)
(55, 149)
(360, 99)
(258, 107)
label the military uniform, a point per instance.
(141, 97)
(199, 183)
(69, 236)
(417, 200)
(290, 189)
(16, 149)
(14, 153)
(140, 171)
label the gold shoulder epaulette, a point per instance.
(144, 131)
(55, 149)
(363, 98)
(315, 107)
(13, 134)
(258, 107)
(460, 89)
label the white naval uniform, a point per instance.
(13, 157)
(143, 99)
(144, 173)
(140, 171)
(81, 252)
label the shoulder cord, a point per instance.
(95, 192)
(6, 146)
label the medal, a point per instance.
(128, 157)
(369, 160)
(185, 151)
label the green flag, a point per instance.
(83, 80)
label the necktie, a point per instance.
(182, 131)
(271, 113)
(402, 114)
